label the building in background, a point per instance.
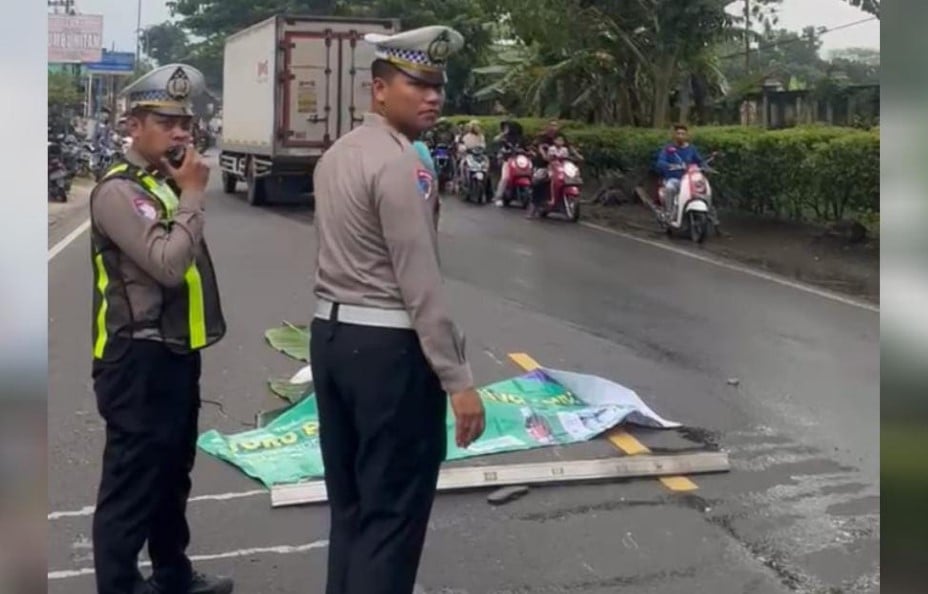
(75, 46)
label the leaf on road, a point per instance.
(290, 340)
(292, 393)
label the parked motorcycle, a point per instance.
(476, 187)
(88, 155)
(562, 190)
(692, 212)
(59, 179)
(519, 183)
(105, 157)
(68, 150)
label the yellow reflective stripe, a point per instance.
(162, 192)
(119, 168)
(196, 310)
(103, 280)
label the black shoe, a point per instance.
(209, 584)
(200, 583)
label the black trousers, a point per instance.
(150, 400)
(382, 432)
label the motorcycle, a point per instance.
(563, 190)
(441, 156)
(104, 158)
(69, 152)
(519, 183)
(59, 179)
(692, 211)
(202, 140)
(88, 155)
(476, 188)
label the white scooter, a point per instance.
(693, 211)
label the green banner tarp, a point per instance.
(541, 408)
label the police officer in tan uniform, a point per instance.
(385, 352)
(155, 307)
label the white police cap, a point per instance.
(168, 90)
(420, 53)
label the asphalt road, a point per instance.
(798, 512)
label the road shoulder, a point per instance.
(804, 253)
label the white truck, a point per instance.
(291, 85)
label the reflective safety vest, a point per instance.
(191, 314)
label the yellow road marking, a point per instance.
(524, 361)
(620, 438)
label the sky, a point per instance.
(119, 21)
(798, 14)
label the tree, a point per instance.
(787, 54)
(868, 6)
(466, 16)
(206, 56)
(619, 61)
(166, 42)
(860, 64)
(63, 92)
(612, 60)
(862, 55)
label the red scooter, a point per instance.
(519, 183)
(563, 190)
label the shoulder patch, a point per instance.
(425, 180)
(145, 208)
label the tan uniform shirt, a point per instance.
(155, 255)
(376, 217)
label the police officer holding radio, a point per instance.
(384, 350)
(155, 307)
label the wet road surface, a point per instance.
(798, 512)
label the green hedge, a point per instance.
(814, 173)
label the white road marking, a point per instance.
(491, 355)
(59, 247)
(63, 574)
(88, 510)
(738, 268)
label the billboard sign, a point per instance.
(75, 39)
(112, 63)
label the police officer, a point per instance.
(155, 306)
(384, 349)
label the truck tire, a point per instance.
(229, 182)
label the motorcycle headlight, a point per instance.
(522, 162)
(571, 170)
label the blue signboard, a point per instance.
(112, 63)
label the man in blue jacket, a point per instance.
(673, 161)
